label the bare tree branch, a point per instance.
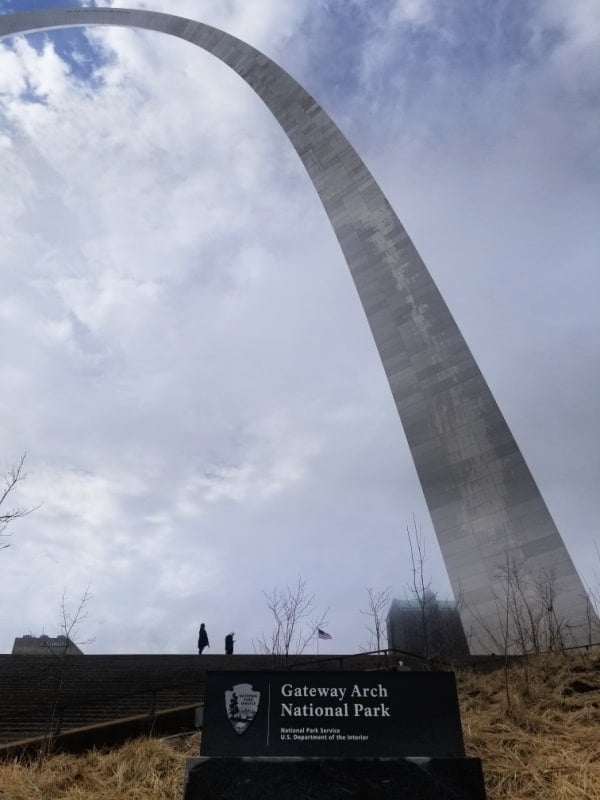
(69, 621)
(12, 478)
(295, 621)
(528, 621)
(421, 587)
(71, 618)
(377, 604)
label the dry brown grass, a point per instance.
(539, 741)
(542, 739)
(143, 769)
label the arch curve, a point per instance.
(484, 503)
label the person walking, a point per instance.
(229, 644)
(202, 639)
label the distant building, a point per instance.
(45, 646)
(429, 628)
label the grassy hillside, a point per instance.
(536, 728)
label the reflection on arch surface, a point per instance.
(485, 506)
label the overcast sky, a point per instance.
(184, 356)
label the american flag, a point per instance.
(323, 634)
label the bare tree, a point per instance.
(377, 604)
(528, 620)
(436, 630)
(12, 478)
(420, 587)
(553, 626)
(592, 602)
(70, 620)
(592, 605)
(433, 634)
(295, 621)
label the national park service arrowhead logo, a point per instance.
(241, 704)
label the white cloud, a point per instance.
(579, 23)
(12, 78)
(188, 365)
(276, 458)
(415, 12)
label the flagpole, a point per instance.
(317, 643)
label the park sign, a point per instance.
(331, 714)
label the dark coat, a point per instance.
(203, 639)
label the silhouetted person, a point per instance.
(202, 639)
(229, 644)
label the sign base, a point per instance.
(289, 778)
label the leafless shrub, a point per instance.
(528, 621)
(377, 604)
(295, 622)
(438, 632)
(69, 624)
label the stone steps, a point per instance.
(41, 694)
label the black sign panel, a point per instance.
(331, 714)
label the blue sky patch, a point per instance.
(40, 5)
(71, 44)
(74, 47)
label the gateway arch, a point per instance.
(486, 509)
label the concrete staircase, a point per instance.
(41, 697)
